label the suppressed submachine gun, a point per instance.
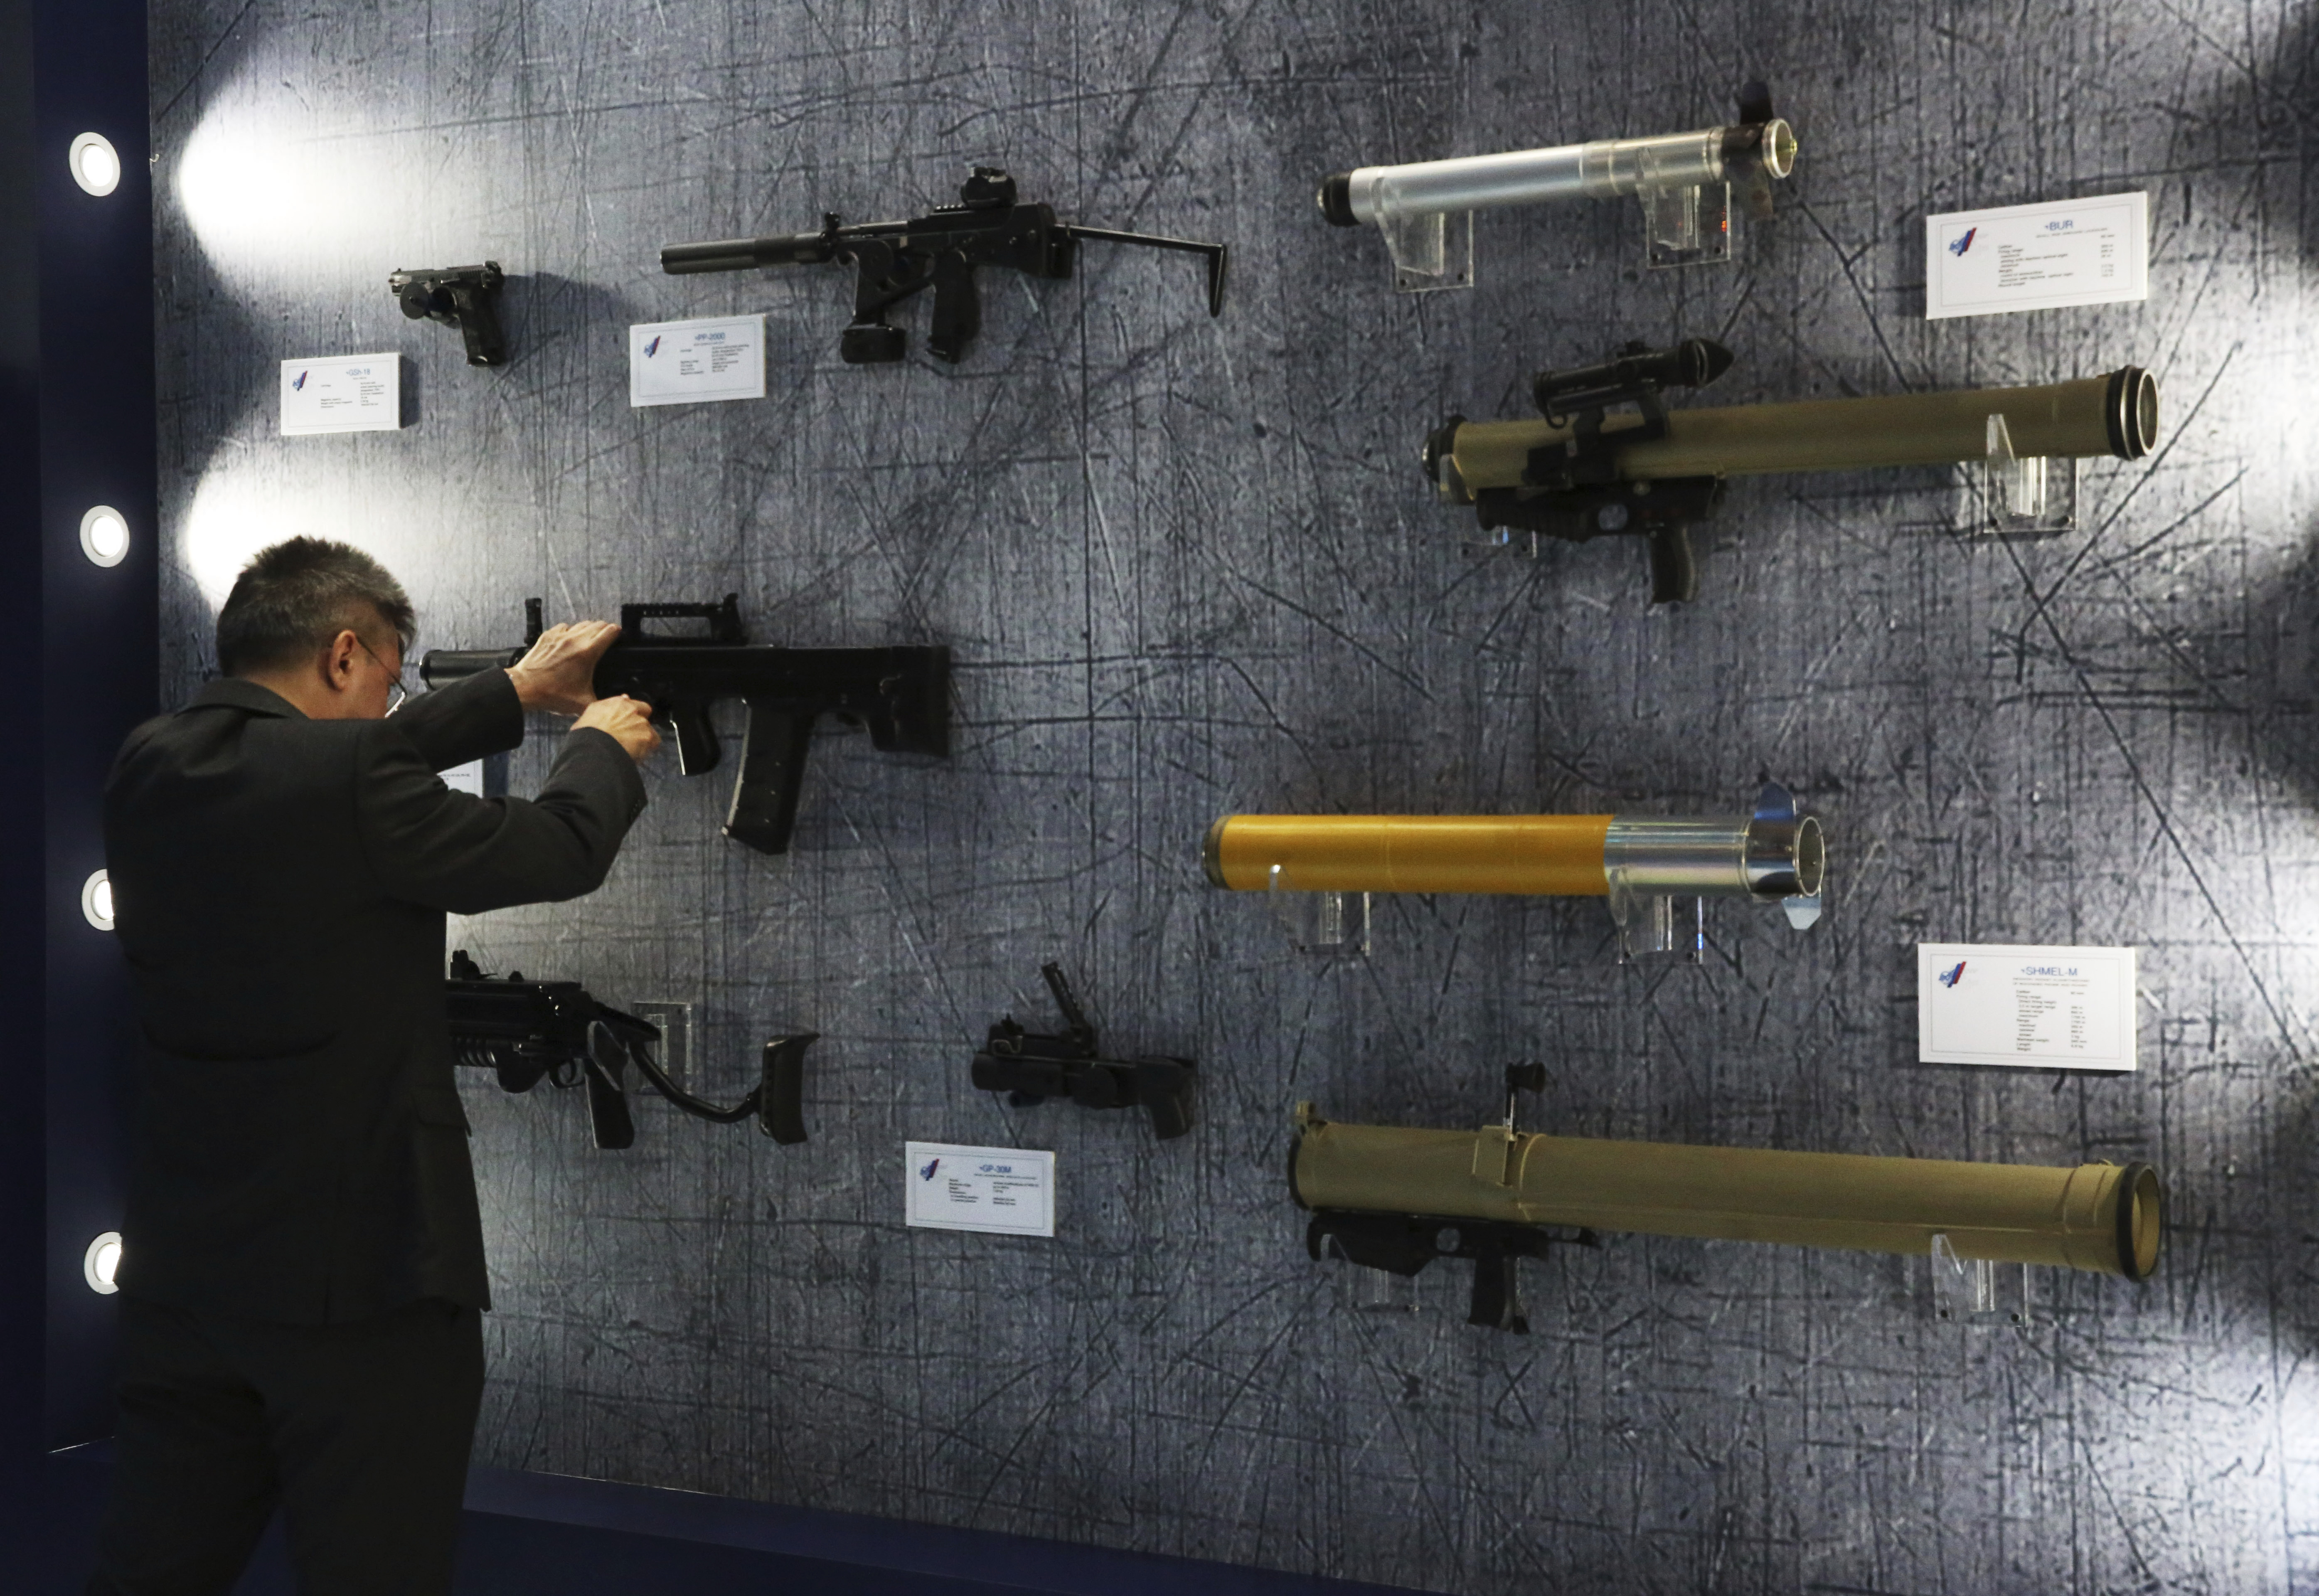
(465, 297)
(1683, 179)
(1641, 863)
(1581, 472)
(1393, 1199)
(902, 695)
(527, 1032)
(942, 250)
(1032, 1068)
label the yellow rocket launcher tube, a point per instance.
(1774, 853)
(2116, 414)
(2101, 1217)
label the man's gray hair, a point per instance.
(293, 598)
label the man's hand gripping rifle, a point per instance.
(526, 1032)
(902, 695)
(896, 259)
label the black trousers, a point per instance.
(360, 1432)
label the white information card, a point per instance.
(980, 1188)
(2040, 1008)
(690, 361)
(2037, 257)
(344, 393)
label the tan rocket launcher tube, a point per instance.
(1553, 854)
(2116, 414)
(2101, 1217)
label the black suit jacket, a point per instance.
(279, 886)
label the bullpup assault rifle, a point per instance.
(902, 695)
(1684, 181)
(893, 260)
(1392, 1199)
(465, 297)
(1581, 472)
(1034, 1068)
(527, 1032)
(1642, 863)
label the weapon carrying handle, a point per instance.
(773, 777)
(780, 1091)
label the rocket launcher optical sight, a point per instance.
(1684, 179)
(1390, 1198)
(1584, 470)
(1640, 862)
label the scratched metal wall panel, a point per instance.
(1187, 567)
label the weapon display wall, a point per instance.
(1188, 568)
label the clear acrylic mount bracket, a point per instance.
(1324, 923)
(1429, 252)
(1686, 226)
(2033, 497)
(1976, 1291)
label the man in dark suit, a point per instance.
(302, 1266)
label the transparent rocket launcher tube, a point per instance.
(2104, 1218)
(1603, 169)
(2115, 415)
(1555, 855)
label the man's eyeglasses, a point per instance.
(395, 691)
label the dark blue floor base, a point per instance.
(543, 1535)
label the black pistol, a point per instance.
(465, 297)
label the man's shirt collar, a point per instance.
(234, 693)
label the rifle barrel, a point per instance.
(2115, 415)
(2104, 1218)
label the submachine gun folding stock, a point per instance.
(1034, 1068)
(902, 695)
(896, 259)
(465, 297)
(526, 1032)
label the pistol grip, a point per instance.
(697, 751)
(1496, 1305)
(772, 775)
(781, 1090)
(608, 1099)
(1165, 1089)
(958, 308)
(1675, 570)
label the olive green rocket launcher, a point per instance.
(1583, 470)
(1642, 863)
(1394, 1199)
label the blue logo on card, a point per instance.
(928, 1172)
(1950, 978)
(652, 348)
(299, 384)
(1959, 246)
